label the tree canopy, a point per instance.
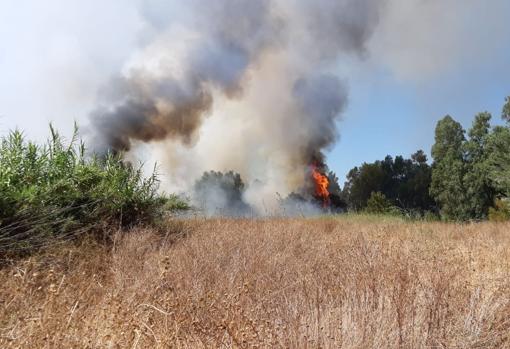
(403, 182)
(469, 178)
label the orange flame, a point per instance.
(321, 186)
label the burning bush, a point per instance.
(321, 184)
(321, 193)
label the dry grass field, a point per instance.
(275, 283)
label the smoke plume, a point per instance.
(242, 85)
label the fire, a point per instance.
(321, 186)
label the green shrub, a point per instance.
(430, 216)
(55, 191)
(378, 204)
(501, 211)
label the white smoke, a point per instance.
(237, 85)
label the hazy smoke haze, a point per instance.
(237, 84)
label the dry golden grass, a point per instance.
(289, 283)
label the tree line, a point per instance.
(468, 179)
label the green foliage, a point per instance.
(469, 173)
(430, 216)
(404, 182)
(175, 203)
(419, 157)
(479, 190)
(337, 201)
(447, 186)
(449, 138)
(378, 204)
(505, 114)
(361, 183)
(498, 160)
(54, 191)
(500, 212)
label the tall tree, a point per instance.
(419, 183)
(448, 170)
(361, 182)
(498, 161)
(479, 190)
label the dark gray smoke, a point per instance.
(153, 107)
(322, 98)
(140, 116)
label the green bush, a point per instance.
(501, 211)
(55, 191)
(430, 216)
(378, 204)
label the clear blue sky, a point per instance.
(425, 60)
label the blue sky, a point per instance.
(425, 60)
(388, 117)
